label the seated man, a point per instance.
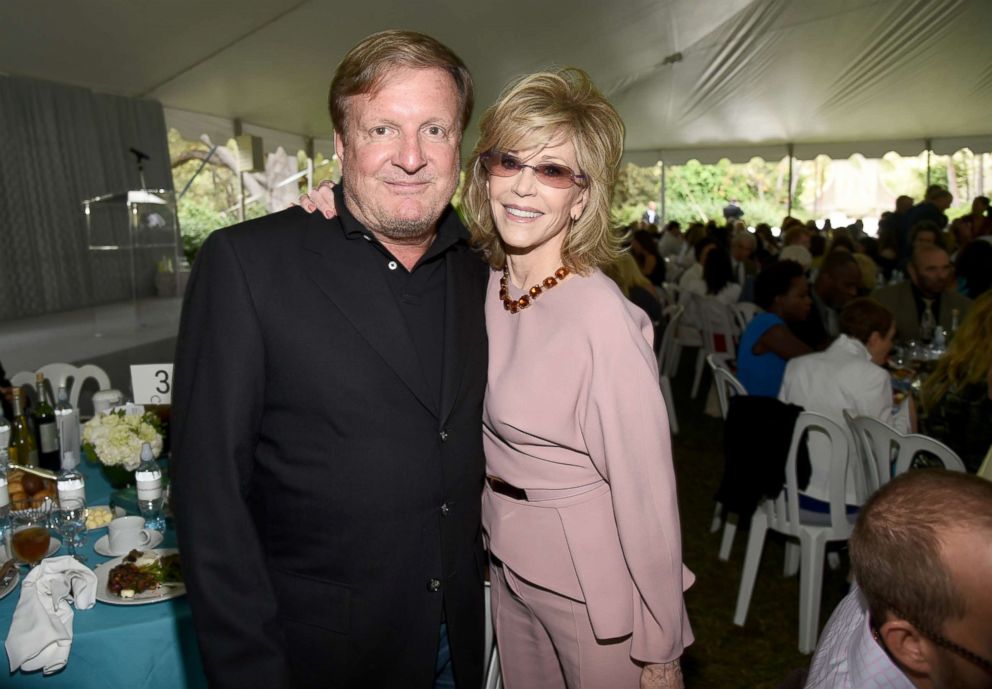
(848, 376)
(918, 615)
(930, 277)
(836, 284)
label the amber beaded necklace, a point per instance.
(514, 305)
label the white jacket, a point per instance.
(828, 382)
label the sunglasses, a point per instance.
(550, 174)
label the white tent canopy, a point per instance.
(700, 79)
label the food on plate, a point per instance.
(28, 490)
(141, 572)
(97, 517)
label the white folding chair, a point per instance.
(717, 324)
(814, 530)
(62, 374)
(744, 311)
(874, 442)
(727, 386)
(666, 363)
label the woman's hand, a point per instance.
(320, 198)
(662, 676)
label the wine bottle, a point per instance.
(70, 483)
(46, 430)
(23, 450)
(4, 431)
(4, 497)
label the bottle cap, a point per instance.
(146, 453)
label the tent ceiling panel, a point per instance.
(731, 75)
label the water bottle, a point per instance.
(70, 483)
(148, 479)
(67, 420)
(4, 501)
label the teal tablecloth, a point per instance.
(113, 646)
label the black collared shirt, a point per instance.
(419, 293)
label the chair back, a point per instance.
(872, 447)
(913, 444)
(743, 312)
(72, 377)
(727, 384)
(666, 352)
(716, 321)
(783, 511)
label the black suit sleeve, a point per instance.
(220, 386)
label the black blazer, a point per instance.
(324, 512)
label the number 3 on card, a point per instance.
(152, 383)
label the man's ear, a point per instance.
(907, 647)
(338, 144)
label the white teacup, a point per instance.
(127, 533)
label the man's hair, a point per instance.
(895, 547)
(835, 261)
(863, 316)
(934, 191)
(926, 226)
(744, 237)
(774, 281)
(673, 226)
(541, 110)
(794, 234)
(366, 66)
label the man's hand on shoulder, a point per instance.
(321, 198)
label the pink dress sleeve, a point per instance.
(625, 428)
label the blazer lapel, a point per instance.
(347, 274)
(461, 312)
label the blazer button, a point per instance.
(434, 585)
(444, 436)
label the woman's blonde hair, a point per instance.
(624, 271)
(541, 110)
(968, 357)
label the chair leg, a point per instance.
(755, 544)
(810, 589)
(673, 366)
(666, 391)
(791, 559)
(717, 517)
(700, 365)
(727, 542)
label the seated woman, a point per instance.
(717, 279)
(636, 287)
(644, 248)
(957, 396)
(848, 375)
(700, 249)
(768, 343)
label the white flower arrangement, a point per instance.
(115, 438)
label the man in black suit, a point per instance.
(327, 436)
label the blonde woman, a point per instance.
(579, 508)
(957, 396)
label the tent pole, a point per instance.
(789, 187)
(929, 145)
(664, 217)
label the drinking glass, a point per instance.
(71, 522)
(30, 539)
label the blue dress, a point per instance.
(760, 374)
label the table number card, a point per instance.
(152, 383)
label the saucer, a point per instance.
(102, 545)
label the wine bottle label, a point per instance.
(69, 484)
(149, 493)
(4, 492)
(48, 434)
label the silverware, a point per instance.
(7, 572)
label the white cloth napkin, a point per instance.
(41, 632)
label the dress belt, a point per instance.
(500, 486)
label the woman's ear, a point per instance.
(580, 203)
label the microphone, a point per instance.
(140, 155)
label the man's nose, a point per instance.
(410, 156)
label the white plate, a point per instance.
(11, 585)
(102, 545)
(164, 593)
(53, 547)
